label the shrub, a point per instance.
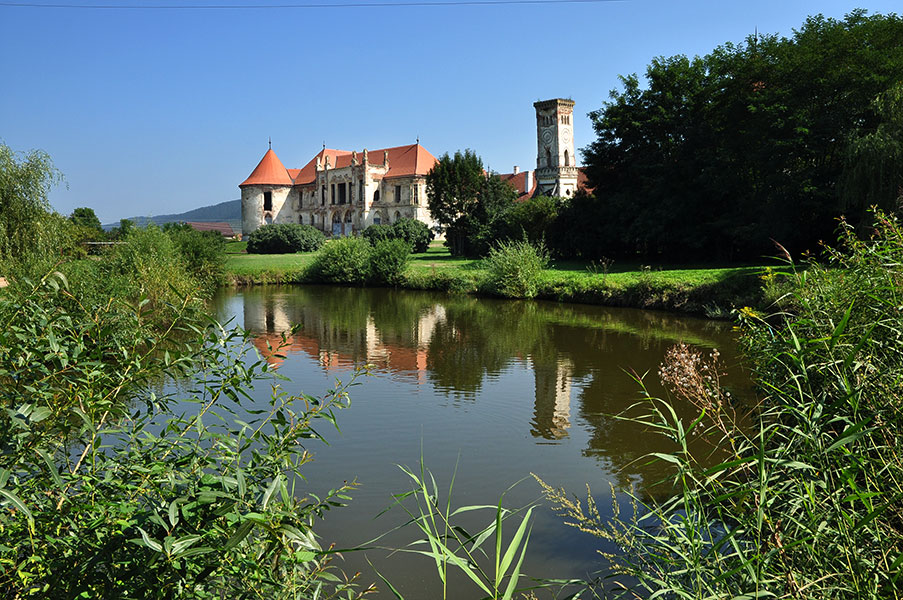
(414, 232)
(388, 261)
(514, 269)
(343, 260)
(285, 238)
(203, 252)
(110, 489)
(378, 233)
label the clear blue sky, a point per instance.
(148, 112)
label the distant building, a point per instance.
(222, 228)
(342, 192)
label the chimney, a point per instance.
(528, 181)
(516, 171)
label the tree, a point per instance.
(24, 209)
(85, 217)
(873, 173)
(720, 154)
(465, 200)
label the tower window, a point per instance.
(548, 157)
(323, 195)
(376, 196)
(415, 193)
(360, 191)
(567, 160)
(268, 201)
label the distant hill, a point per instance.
(227, 212)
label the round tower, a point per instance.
(264, 192)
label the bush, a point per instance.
(109, 489)
(417, 235)
(203, 252)
(343, 260)
(388, 261)
(285, 238)
(414, 232)
(514, 269)
(378, 233)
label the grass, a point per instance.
(705, 290)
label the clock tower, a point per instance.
(556, 168)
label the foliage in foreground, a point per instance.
(492, 570)
(809, 503)
(113, 485)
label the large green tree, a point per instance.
(466, 200)
(719, 155)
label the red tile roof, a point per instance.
(223, 228)
(269, 171)
(519, 182)
(404, 161)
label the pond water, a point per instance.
(494, 389)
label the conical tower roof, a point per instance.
(270, 171)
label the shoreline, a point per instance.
(708, 292)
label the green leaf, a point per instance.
(15, 501)
(150, 543)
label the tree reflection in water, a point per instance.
(579, 356)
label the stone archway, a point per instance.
(336, 224)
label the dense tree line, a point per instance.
(770, 139)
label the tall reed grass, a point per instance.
(809, 501)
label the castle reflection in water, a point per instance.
(411, 344)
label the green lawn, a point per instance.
(698, 289)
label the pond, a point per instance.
(491, 390)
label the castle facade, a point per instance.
(342, 192)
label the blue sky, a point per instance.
(148, 112)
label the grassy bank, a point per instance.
(705, 291)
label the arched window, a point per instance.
(268, 220)
(376, 196)
(567, 160)
(396, 217)
(548, 157)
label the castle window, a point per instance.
(323, 195)
(548, 157)
(376, 196)
(360, 191)
(268, 201)
(342, 190)
(301, 219)
(415, 194)
(397, 193)
(377, 220)
(332, 193)
(567, 160)
(397, 216)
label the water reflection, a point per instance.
(579, 355)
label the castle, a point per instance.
(342, 192)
